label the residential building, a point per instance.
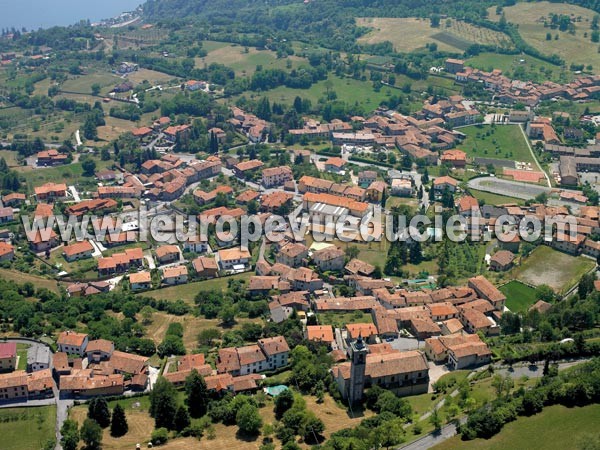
(8, 356)
(233, 258)
(140, 281)
(502, 260)
(205, 267)
(486, 290)
(38, 358)
(72, 343)
(276, 350)
(175, 275)
(78, 250)
(329, 259)
(276, 176)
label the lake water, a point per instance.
(33, 14)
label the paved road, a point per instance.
(548, 182)
(432, 439)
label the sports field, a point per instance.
(558, 270)
(519, 296)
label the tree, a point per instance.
(209, 336)
(91, 434)
(159, 436)
(586, 284)
(89, 128)
(248, 419)
(196, 394)
(95, 89)
(182, 419)
(98, 411)
(163, 404)
(69, 435)
(118, 423)
(435, 419)
(283, 402)
(352, 251)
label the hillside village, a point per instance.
(353, 337)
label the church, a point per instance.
(404, 373)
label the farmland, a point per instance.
(572, 47)
(187, 292)
(407, 34)
(244, 59)
(24, 428)
(558, 270)
(349, 90)
(519, 296)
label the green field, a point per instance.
(244, 59)
(525, 66)
(575, 47)
(558, 270)
(69, 174)
(494, 199)
(38, 282)
(27, 428)
(340, 320)
(519, 296)
(22, 354)
(555, 428)
(348, 90)
(498, 142)
(83, 84)
(187, 292)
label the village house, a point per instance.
(120, 262)
(51, 158)
(292, 254)
(78, 250)
(72, 343)
(320, 333)
(329, 259)
(205, 267)
(233, 258)
(99, 350)
(13, 385)
(486, 290)
(334, 164)
(501, 261)
(276, 350)
(14, 199)
(166, 254)
(455, 158)
(42, 240)
(442, 183)
(194, 244)
(176, 133)
(7, 251)
(245, 168)
(140, 281)
(175, 275)
(276, 176)
(50, 191)
(38, 358)
(8, 356)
